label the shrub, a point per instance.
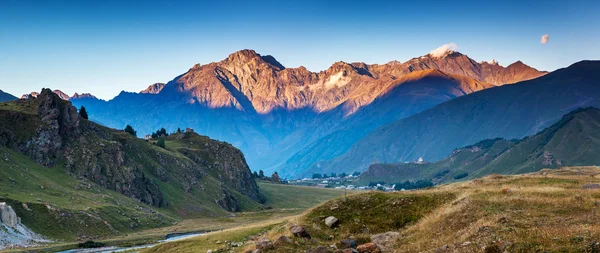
(91, 244)
(461, 175)
(161, 143)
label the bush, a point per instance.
(91, 244)
(461, 175)
(161, 143)
(408, 185)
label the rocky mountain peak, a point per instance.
(61, 94)
(244, 56)
(153, 88)
(83, 95)
(30, 95)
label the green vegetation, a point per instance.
(161, 143)
(54, 204)
(162, 133)
(129, 130)
(83, 112)
(296, 197)
(543, 212)
(573, 141)
(461, 175)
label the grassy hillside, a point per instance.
(547, 211)
(296, 197)
(71, 178)
(58, 206)
(573, 141)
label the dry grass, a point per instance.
(539, 212)
(545, 211)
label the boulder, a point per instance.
(331, 221)
(282, 240)
(385, 241)
(264, 244)
(368, 248)
(8, 215)
(348, 244)
(320, 249)
(590, 186)
(299, 231)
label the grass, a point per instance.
(54, 204)
(546, 211)
(296, 197)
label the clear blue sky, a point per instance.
(103, 47)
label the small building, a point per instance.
(189, 130)
(148, 137)
(321, 185)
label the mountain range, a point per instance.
(508, 112)
(289, 119)
(572, 141)
(6, 97)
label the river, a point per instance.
(109, 249)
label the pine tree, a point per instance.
(83, 113)
(275, 177)
(129, 129)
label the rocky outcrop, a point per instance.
(8, 216)
(153, 89)
(227, 163)
(59, 122)
(13, 234)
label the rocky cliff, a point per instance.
(8, 216)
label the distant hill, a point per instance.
(511, 111)
(572, 141)
(6, 97)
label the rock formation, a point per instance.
(8, 216)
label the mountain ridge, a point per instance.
(512, 111)
(572, 141)
(4, 97)
(262, 107)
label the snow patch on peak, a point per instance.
(493, 62)
(444, 50)
(337, 80)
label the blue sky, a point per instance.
(103, 47)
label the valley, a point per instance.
(552, 210)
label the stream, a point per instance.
(109, 249)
